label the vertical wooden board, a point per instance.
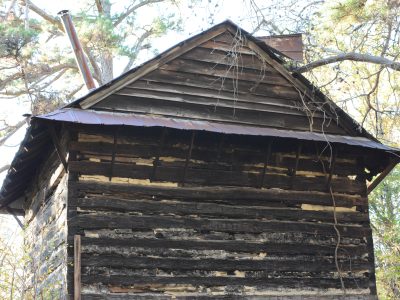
(77, 267)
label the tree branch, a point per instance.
(11, 131)
(73, 92)
(137, 48)
(4, 168)
(352, 56)
(99, 7)
(92, 60)
(9, 9)
(132, 9)
(43, 14)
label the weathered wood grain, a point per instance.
(115, 221)
(235, 246)
(218, 177)
(179, 208)
(228, 194)
(181, 264)
(262, 283)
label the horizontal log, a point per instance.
(205, 153)
(136, 222)
(112, 203)
(260, 295)
(218, 177)
(229, 245)
(249, 149)
(296, 282)
(268, 266)
(141, 295)
(219, 193)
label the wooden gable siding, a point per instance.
(223, 80)
(172, 224)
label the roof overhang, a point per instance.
(31, 151)
(95, 117)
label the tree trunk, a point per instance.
(106, 57)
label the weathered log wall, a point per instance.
(46, 233)
(172, 213)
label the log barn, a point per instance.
(210, 171)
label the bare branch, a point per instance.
(352, 57)
(58, 76)
(73, 92)
(43, 14)
(133, 8)
(45, 71)
(12, 130)
(264, 20)
(92, 60)
(4, 168)
(137, 48)
(10, 9)
(99, 7)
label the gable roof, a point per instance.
(293, 93)
(225, 75)
(221, 80)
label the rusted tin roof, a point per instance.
(92, 117)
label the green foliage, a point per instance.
(98, 33)
(14, 38)
(385, 216)
(350, 9)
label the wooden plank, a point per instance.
(77, 267)
(244, 194)
(237, 74)
(179, 107)
(240, 48)
(236, 246)
(226, 86)
(157, 90)
(229, 59)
